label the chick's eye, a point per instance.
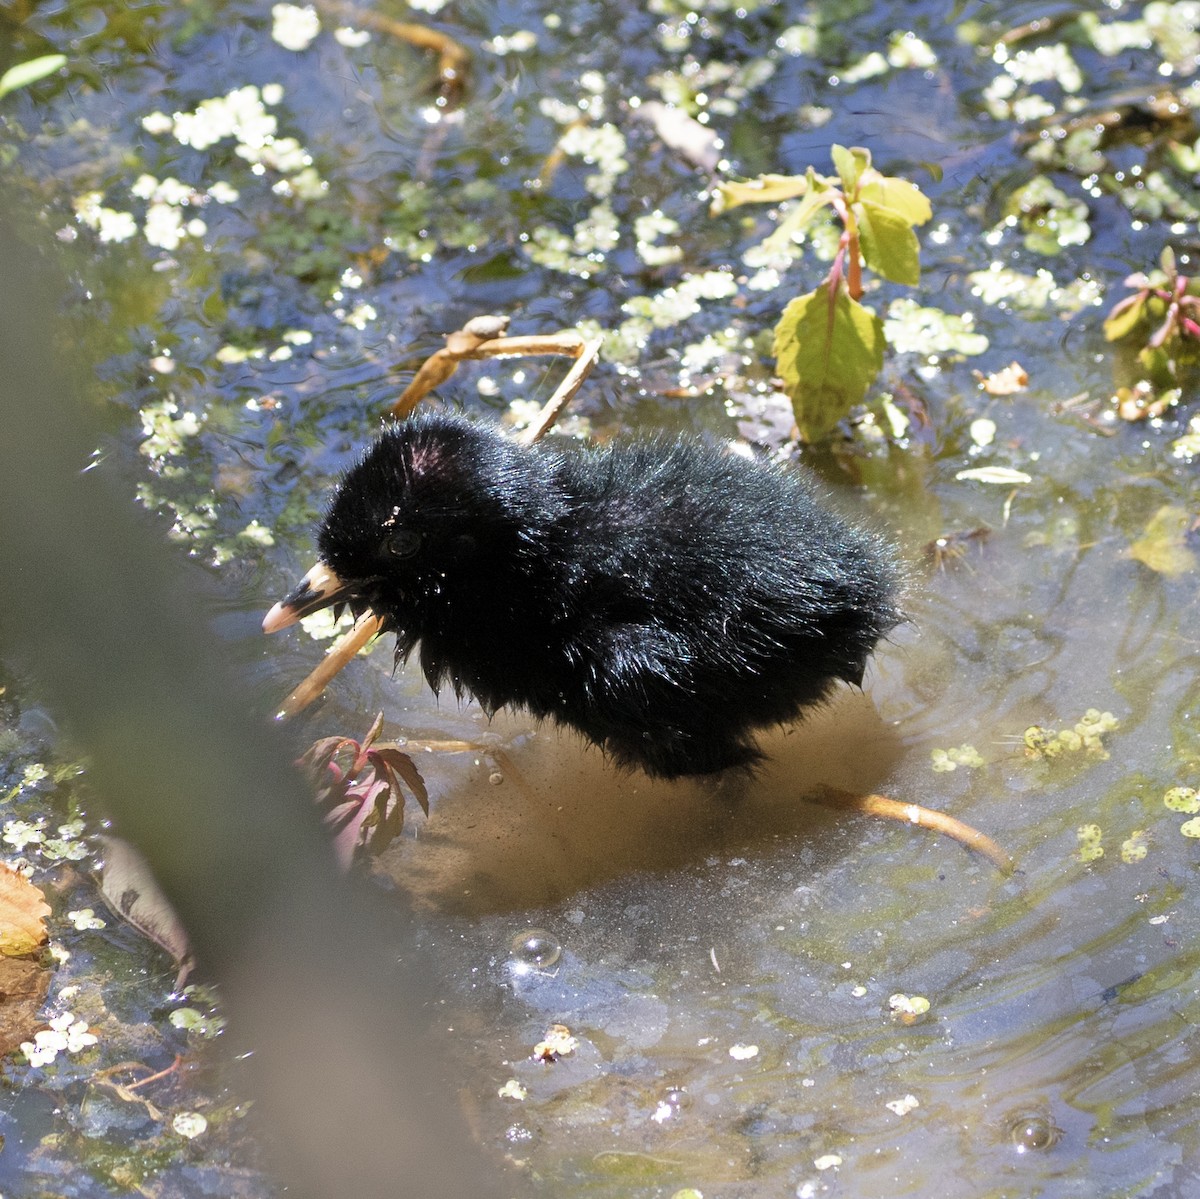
(402, 543)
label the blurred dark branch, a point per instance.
(109, 622)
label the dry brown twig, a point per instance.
(912, 813)
(453, 58)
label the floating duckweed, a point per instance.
(1182, 799)
(1005, 288)
(868, 67)
(584, 253)
(85, 919)
(647, 229)
(908, 1009)
(1087, 735)
(1070, 740)
(557, 1043)
(295, 27)
(164, 432)
(1134, 847)
(673, 1101)
(22, 833)
(67, 1034)
(903, 1106)
(912, 329)
(190, 1020)
(322, 625)
(512, 1090)
(1047, 216)
(1042, 64)
(1104, 722)
(111, 224)
(189, 1124)
(600, 145)
(351, 38)
(33, 774)
(1090, 848)
(945, 760)
(1187, 447)
(905, 49)
(1191, 828)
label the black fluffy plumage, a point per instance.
(665, 598)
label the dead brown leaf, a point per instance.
(23, 986)
(1013, 378)
(23, 912)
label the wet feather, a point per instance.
(666, 598)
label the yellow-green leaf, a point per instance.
(850, 166)
(1162, 547)
(766, 189)
(800, 215)
(30, 71)
(828, 350)
(889, 246)
(1124, 318)
(898, 194)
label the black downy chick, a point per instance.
(665, 598)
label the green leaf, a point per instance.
(1157, 366)
(828, 350)
(889, 246)
(30, 71)
(1125, 317)
(816, 198)
(766, 189)
(850, 166)
(898, 194)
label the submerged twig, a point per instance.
(343, 649)
(911, 813)
(453, 58)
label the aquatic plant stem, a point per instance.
(911, 813)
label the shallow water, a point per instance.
(681, 926)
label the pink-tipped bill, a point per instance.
(318, 589)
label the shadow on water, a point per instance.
(551, 817)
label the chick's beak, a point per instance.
(318, 589)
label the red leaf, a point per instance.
(403, 765)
